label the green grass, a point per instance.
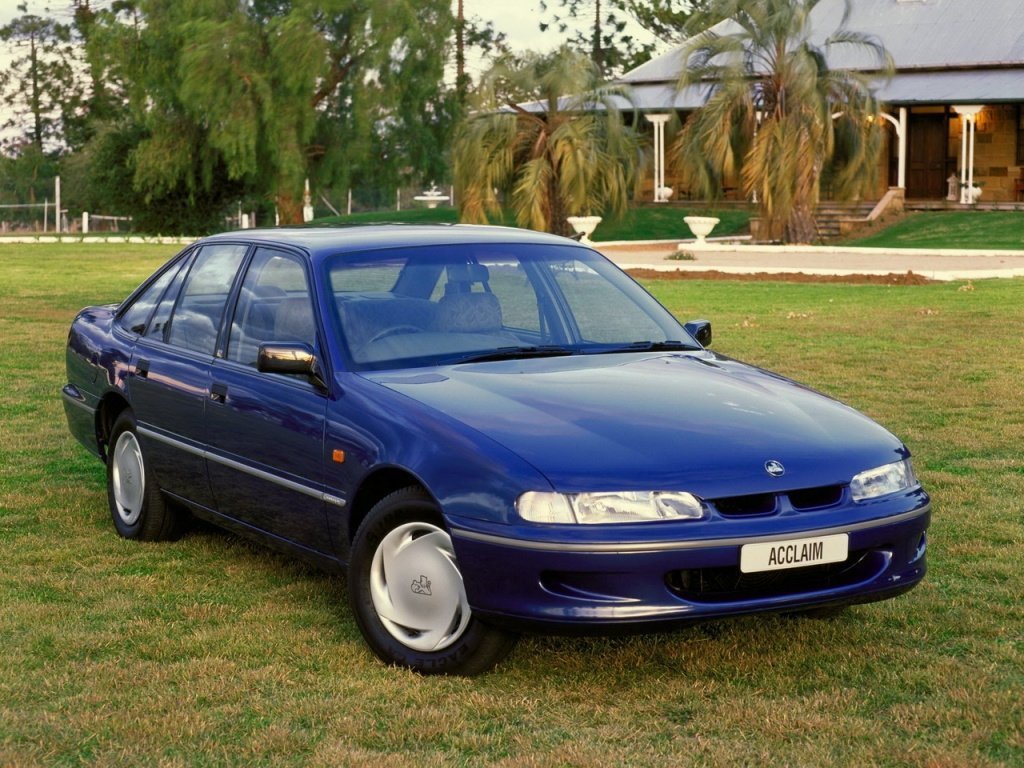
(639, 223)
(211, 651)
(1003, 230)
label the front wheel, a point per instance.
(137, 507)
(408, 596)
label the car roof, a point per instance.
(323, 241)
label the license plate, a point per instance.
(794, 553)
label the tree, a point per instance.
(777, 114)
(38, 84)
(600, 28)
(667, 20)
(563, 155)
(473, 33)
(269, 91)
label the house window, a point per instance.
(1020, 134)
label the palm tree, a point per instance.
(566, 153)
(777, 116)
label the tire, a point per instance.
(137, 507)
(408, 596)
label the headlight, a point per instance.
(881, 481)
(612, 507)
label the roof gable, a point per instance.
(920, 34)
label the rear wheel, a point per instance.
(138, 509)
(408, 595)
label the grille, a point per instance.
(766, 503)
(723, 585)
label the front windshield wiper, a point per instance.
(515, 353)
(671, 345)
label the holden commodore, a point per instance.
(490, 431)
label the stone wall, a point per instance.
(995, 150)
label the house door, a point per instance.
(926, 156)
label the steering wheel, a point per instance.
(393, 331)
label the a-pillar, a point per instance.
(659, 120)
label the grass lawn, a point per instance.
(951, 229)
(647, 222)
(210, 651)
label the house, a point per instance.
(954, 108)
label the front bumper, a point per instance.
(597, 586)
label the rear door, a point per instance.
(169, 377)
(265, 431)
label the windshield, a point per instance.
(438, 305)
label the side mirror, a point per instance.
(291, 358)
(286, 358)
(700, 330)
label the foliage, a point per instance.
(37, 86)
(601, 29)
(668, 20)
(272, 92)
(100, 178)
(769, 112)
(473, 33)
(210, 651)
(568, 155)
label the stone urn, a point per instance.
(701, 226)
(584, 225)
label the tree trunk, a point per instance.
(461, 81)
(289, 209)
(558, 224)
(801, 227)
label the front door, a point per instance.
(927, 142)
(265, 431)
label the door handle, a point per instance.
(219, 392)
(142, 368)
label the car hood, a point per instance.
(690, 421)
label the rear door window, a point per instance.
(197, 316)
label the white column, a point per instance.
(901, 142)
(56, 192)
(901, 173)
(968, 114)
(972, 123)
(659, 120)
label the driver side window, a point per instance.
(274, 305)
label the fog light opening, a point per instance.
(922, 547)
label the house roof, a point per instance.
(944, 50)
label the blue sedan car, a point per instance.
(491, 431)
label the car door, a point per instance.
(265, 431)
(169, 376)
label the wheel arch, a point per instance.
(111, 405)
(374, 487)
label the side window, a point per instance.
(198, 314)
(158, 324)
(134, 318)
(274, 305)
